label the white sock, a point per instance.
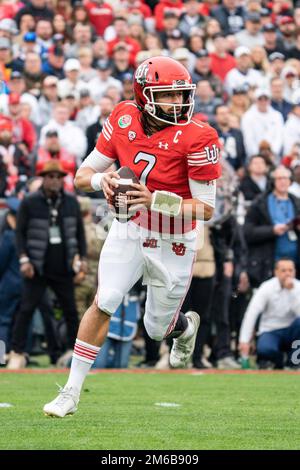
(84, 356)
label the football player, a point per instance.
(175, 157)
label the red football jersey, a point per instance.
(168, 158)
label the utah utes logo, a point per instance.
(179, 249)
(150, 243)
(141, 74)
(212, 153)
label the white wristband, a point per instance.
(166, 203)
(96, 181)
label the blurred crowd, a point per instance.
(64, 65)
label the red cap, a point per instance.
(286, 20)
(14, 98)
(5, 123)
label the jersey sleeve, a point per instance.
(105, 142)
(203, 157)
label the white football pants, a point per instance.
(165, 262)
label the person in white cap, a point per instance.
(243, 73)
(291, 132)
(71, 85)
(262, 122)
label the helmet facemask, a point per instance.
(153, 108)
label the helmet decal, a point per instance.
(141, 74)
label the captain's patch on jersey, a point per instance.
(124, 121)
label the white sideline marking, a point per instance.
(5, 405)
(166, 405)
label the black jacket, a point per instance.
(33, 228)
(92, 134)
(261, 239)
(250, 189)
(231, 23)
(234, 151)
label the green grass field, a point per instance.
(119, 411)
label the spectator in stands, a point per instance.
(287, 31)
(278, 302)
(295, 167)
(251, 36)
(71, 85)
(293, 157)
(15, 163)
(52, 150)
(16, 84)
(230, 16)
(221, 61)
(294, 52)
(265, 150)
(99, 50)
(122, 35)
(277, 100)
(165, 8)
(270, 230)
(71, 136)
(103, 81)
(127, 87)
(47, 254)
(87, 112)
(205, 100)
(53, 64)
(5, 57)
(60, 27)
(8, 29)
(44, 35)
(82, 38)
(291, 132)
(262, 122)
(272, 43)
(121, 61)
(256, 180)
(195, 41)
(33, 73)
(100, 14)
(260, 61)
(202, 71)
(276, 65)
(290, 77)
(106, 106)
(36, 8)
(239, 101)
(174, 40)
(243, 74)
(48, 99)
(23, 131)
(87, 72)
(212, 28)
(192, 17)
(231, 139)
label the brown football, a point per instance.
(127, 176)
